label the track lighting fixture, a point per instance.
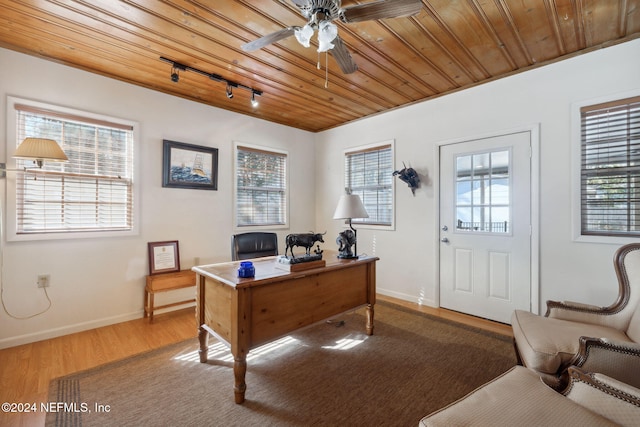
(176, 67)
(175, 75)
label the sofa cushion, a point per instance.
(545, 344)
(516, 398)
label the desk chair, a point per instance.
(253, 245)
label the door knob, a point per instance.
(445, 228)
(444, 240)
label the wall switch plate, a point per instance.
(43, 280)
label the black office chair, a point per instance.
(253, 245)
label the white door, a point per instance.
(485, 226)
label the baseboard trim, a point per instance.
(68, 329)
(406, 297)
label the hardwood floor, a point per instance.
(26, 370)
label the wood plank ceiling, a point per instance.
(450, 45)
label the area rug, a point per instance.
(329, 374)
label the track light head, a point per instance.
(254, 102)
(175, 77)
(229, 92)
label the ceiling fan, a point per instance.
(322, 13)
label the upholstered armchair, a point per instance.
(549, 344)
(519, 397)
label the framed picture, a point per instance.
(164, 257)
(189, 166)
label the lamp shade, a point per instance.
(350, 206)
(40, 149)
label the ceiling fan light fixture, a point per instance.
(303, 35)
(327, 32)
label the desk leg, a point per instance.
(203, 337)
(369, 315)
(239, 372)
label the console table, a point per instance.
(164, 282)
(247, 313)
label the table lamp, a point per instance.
(350, 206)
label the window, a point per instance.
(92, 192)
(369, 174)
(261, 187)
(482, 192)
(610, 168)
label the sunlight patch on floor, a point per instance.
(344, 344)
(221, 352)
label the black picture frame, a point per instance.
(189, 166)
(164, 257)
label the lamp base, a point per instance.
(341, 256)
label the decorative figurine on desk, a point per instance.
(345, 240)
(306, 240)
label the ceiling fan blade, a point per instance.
(268, 39)
(343, 57)
(380, 10)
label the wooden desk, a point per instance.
(247, 313)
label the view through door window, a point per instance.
(482, 192)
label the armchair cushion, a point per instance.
(547, 344)
(516, 398)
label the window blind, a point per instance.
(368, 173)
(261, 187)
(610, 168)
(93, 191)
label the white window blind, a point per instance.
(610, 168)
(93, 191)
(368, 173)
(261, 187)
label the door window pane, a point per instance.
(483, 192)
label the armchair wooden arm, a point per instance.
(556, 308)
(619, 360)
(614, 400)
(587, 313)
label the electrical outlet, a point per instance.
(43, 281)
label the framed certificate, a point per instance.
(164, 257)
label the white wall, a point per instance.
(98, 281)
(544, 97)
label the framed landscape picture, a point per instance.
(189, 166)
